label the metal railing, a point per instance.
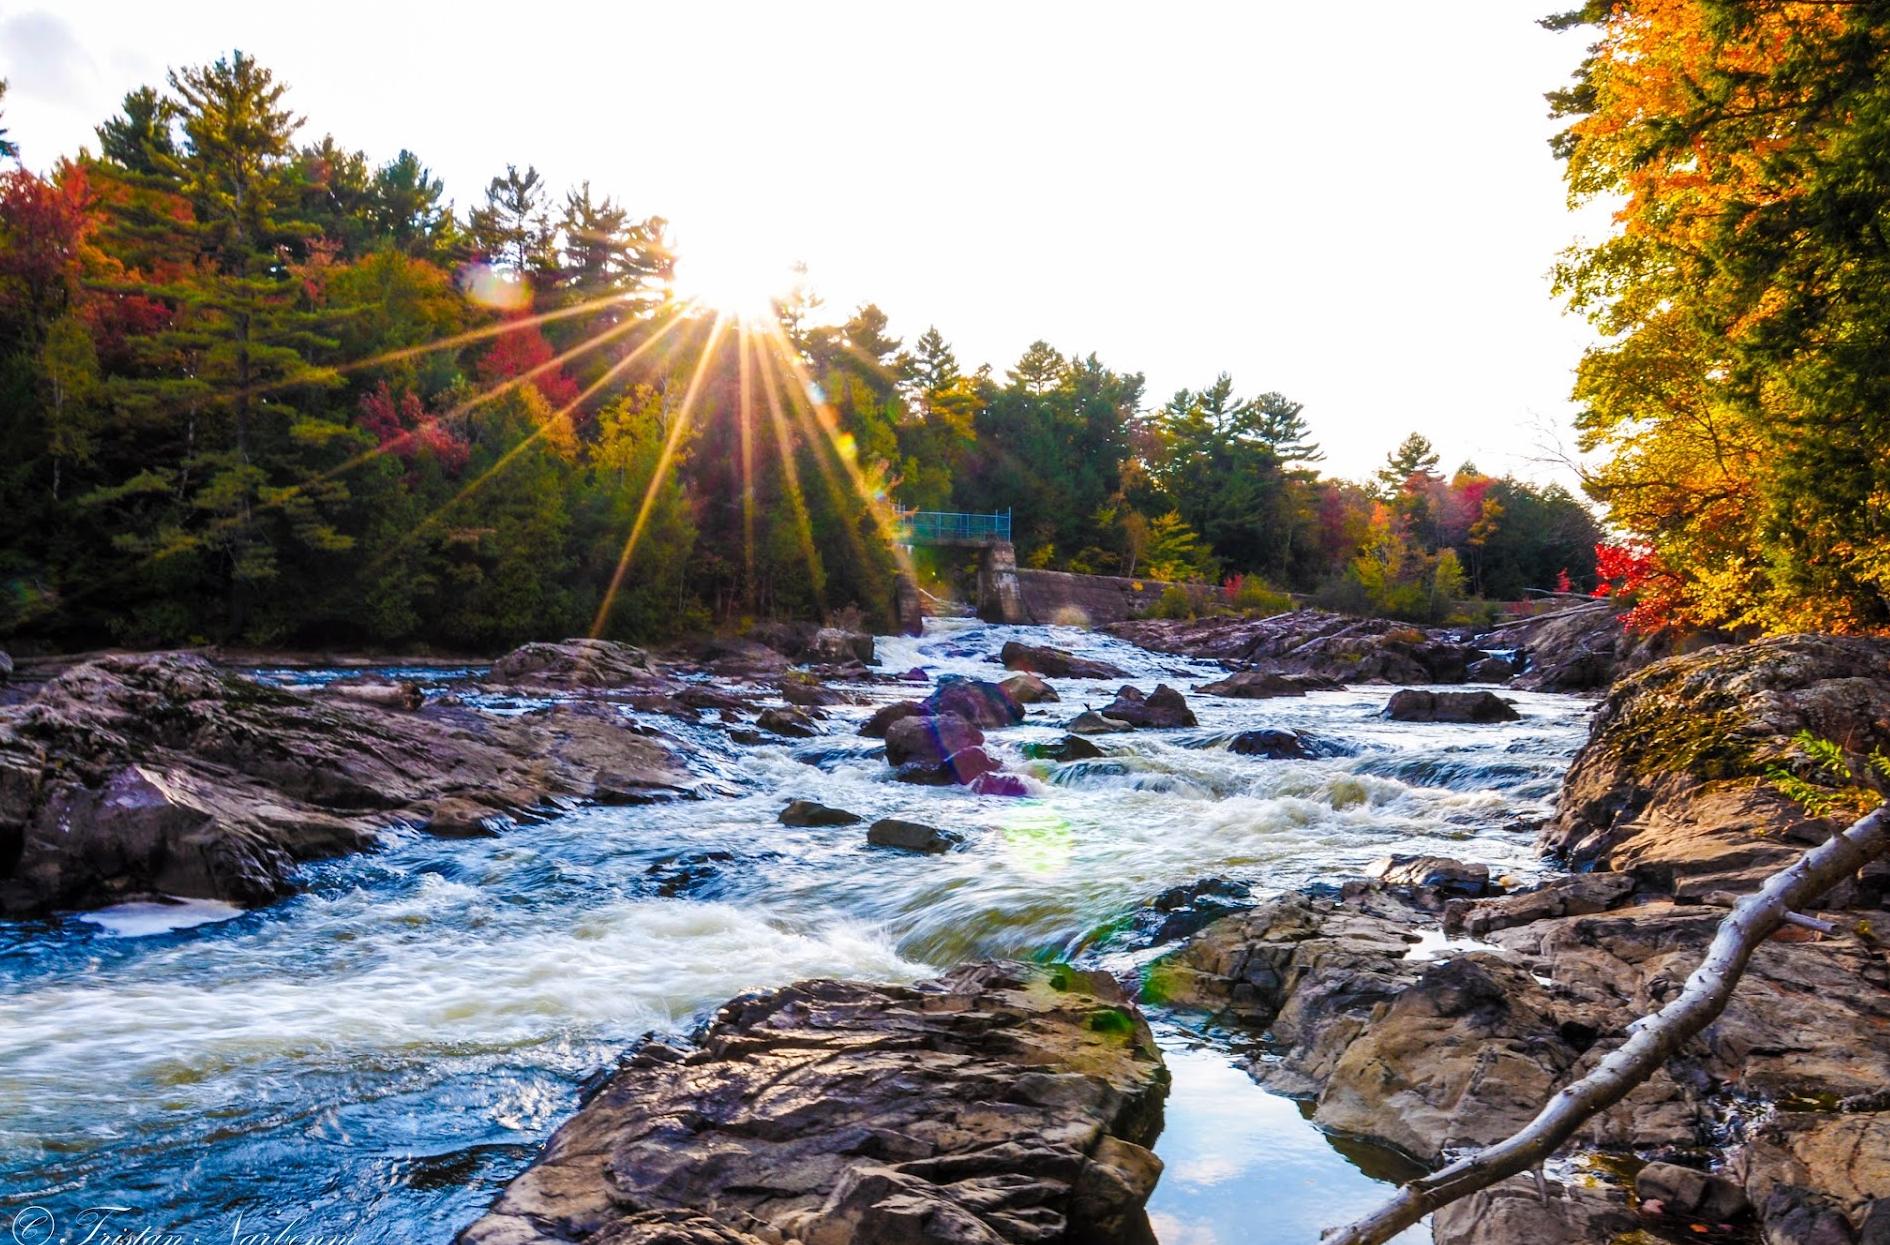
(947, 527)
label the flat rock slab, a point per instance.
(1000, 1103)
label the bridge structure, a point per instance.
(1000, 596)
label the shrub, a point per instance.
(1173, 603)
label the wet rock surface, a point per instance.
(1314, 642)
(812, 813)
(1581, 648)
(1419, 705)
(1671, 788)
(937, 751)
(1028, 689)
(572, 663)
(912, 836)
(1163, 707)
(999, 1103)
(162, 773)
(1055, 662)
(1266, 684)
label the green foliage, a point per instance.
(1174, 602)
(1832, 784)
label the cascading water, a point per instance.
(371, 1059)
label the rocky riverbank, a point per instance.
(1773, 1121)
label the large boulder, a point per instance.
(1162, 707)
(1001, 1103)
(1672, 787)
(164, 774)
(1419, 705)
(938, 750)
(1028, 689)
(577, 663)
(876, 726)
(1055, 662)
(1067, 749)
(974, 700)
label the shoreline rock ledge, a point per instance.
(1000, 1103)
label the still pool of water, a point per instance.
(374, 1057)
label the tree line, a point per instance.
(266, 391)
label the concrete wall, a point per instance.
(1090, 600)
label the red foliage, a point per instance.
(43, 226)
(520, 351)
(406, 429)
(1636, 571)
(119, 320)
(1562, 582)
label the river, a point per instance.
(371, 1059)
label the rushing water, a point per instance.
(374, 1057)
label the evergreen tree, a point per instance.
(511, 228)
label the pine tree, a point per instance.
(512, 228)
(9, 150)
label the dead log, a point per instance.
(1651, 1042)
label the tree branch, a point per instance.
(1651, 1042)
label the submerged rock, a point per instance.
(1417, 705)
(572, 663)
(1055, 662)
(1275, 745)
(810, 813)
(1001, 1103)
(1069, 748)
(1265, 684)
(912, 836)
(1162, 707)
(163, 774)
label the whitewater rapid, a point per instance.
(376, 1055)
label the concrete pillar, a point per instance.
(1000, 596)
(908, 606)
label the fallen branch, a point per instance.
(1653, 1039)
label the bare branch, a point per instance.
(1652, 1039)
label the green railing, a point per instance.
(947, 527)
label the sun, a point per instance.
(729, 274)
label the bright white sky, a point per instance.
(1353, 204)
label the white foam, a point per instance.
(142, 918)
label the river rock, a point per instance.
(911, 836)
(576, 663)
(1265, 684)
(1162, 707)
(1067, 749)
(163, 774)
(1584, 894)
(808, 694)
(811, 813)
(1315, 642)
(835, 646)
(1687, 1193)
(876, 726)
(974, 700)
(1418, 705)
(1581, 648)
(1028, 689)
(789, 722)
(1515, 1212)
(1490, 670)
(1001, 1103)
(376, 690)
(1275, 745)
(695, 696)
(1449, 878)
(1181, 911)
(1671, 788)
(937, 750)
(1090, 722)
(1055, 662)
(744, 659)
